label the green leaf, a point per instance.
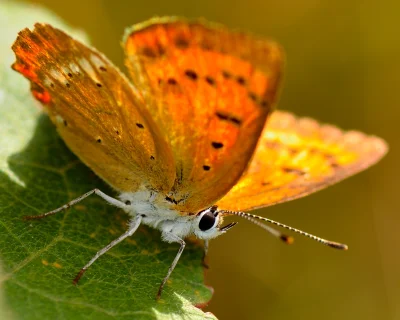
(39, 259)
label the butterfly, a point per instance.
(194, 137)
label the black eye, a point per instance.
(207, 221)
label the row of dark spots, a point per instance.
(226, 117)
(181, 42)
(192, 75)
(153, 52)
(68, 85)
(70, 75)
(239, 79)
(243, 82)
(215, 145)
(139, 125)
(256, 99)
(294, 171)
(99, 141)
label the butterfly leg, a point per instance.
(133, 225)
(203, 260)
(110, 200)
(172, 267)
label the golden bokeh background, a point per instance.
(342, 68)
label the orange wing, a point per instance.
(298, 156)
(209, 90)
(100, 116)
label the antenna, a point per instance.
(254, 219)
(285, 238)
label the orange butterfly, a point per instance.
(189, 136)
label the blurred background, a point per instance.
(342, 68)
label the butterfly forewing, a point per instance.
(97, 112)
(209, 91)
(298, 156)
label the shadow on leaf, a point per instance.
(40, 258)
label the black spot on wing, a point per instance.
(153, 52)
(253, 96)
(258, 100)
(227, 117)
(217, 145)
(241, 80)
(181, 42)
(191, 74)
(226, 74)
(149, 52)
(210, 80)
(294, 171)
(172, 81)
(264, 104)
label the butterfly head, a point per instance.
(209, 224)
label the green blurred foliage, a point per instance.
(342, 68)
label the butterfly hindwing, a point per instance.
(298, 156)
(210, 91)
(98, 113)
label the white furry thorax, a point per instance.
(156, 212)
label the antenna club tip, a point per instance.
(287, 239)
(339, 246)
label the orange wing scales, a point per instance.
(298, 156)
(97, 112)
(210, 91)
(193, 121)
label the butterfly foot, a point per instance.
(205, 264)
(78, 276)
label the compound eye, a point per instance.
(207, 221)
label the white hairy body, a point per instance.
(156, 213)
